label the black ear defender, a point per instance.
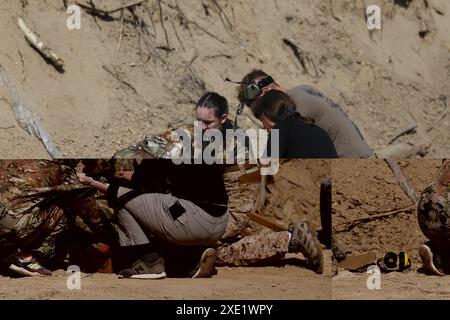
(390, 260)
(393, 262)
(404, 261)
(253, 89)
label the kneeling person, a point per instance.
(170, 209)
(433, 213)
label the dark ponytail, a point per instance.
(212, 100)
(276, 106)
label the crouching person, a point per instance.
(41, 205)
(174, 208)
(434, 220)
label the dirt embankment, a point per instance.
(295, 191)
(369, 188)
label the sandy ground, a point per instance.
(290, 282)
(294, 192)
(364, 188)
(394, 286)
(368, 187)
(111, 96)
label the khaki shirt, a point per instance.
(328, 115)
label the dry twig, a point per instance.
(303, 58)
(121, 31)
(402, 181)
(348, 225)
(48, 53)
(118, 78)
(188, 21)
(332, 12)
(91, 6)
(162, 24)
(444, 101)
(408, 130)
(227, 24)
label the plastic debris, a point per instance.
(28, 119)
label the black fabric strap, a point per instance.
(239, 111)
(119, 202)
(265, 82)
(213, 209)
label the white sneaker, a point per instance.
(205, 267)
(144, 270)
(426, 255)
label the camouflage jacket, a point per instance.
(37, 197)
(434, 207)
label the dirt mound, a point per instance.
(127, 76)
(367, 188)
(295, 191)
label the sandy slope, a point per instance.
(385, 82)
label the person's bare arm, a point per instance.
(102, 187)
(128, 175)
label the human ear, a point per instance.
(224, 118)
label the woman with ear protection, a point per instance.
(312, 103)
(298, 136)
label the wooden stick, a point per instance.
(262, 194)
(402, 181)
(47, 52)
(348, 225)
(270, 223)
(252, 177)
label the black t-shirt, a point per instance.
(201, 184)
(301, 140)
